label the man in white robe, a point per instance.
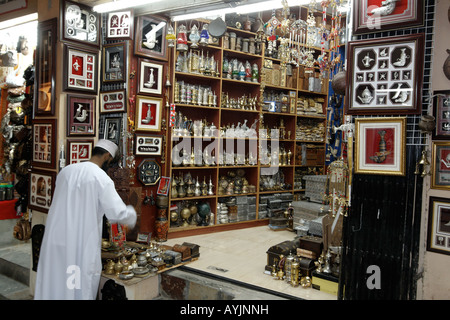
(69, 265)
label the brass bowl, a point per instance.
(126, 275)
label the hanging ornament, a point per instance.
(194, 37)
(182, 39)
(172, 116)
(170, 37)
(204, 35)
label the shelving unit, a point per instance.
(224, 114)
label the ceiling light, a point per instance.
(121, 4)
(20, 20)
(204, 14)
(249, 8)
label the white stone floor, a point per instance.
(241, 255)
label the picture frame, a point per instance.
(148, 113)
(440, 165)
(148, 144)
(81, 115)
(114, 58)
(441, 111)
(79, 23)
(79, 150)
(150, 77)
(44, 143)
(150, 37)
(44, 89)
(371, 16)
(112, 129)
(380, 145)
(163, 186)
(113, 101)
(144, 238)
(41, 186)
(119, 25)
(385, 76)
(80, 73)
(438, 235)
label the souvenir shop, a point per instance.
(301, 151)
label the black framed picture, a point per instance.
(79, 23)
(114, 62)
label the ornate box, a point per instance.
(172, 257)
(195, 249)
(184, 250)
(274, 253)
(314, 244)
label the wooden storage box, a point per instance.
(274, 253)
(313, 244)
(195, 249)
(184, 250)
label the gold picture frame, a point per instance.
(380, 145)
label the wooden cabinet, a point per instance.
(238, 139)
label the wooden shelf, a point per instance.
(223, 116)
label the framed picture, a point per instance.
(44, 143)
(120, 25)
(80, 73)
(150, 77)
(150, 39)
(371, 16)
(163, 186)
(113, 127)
(114, 62)
(42, 186)
(113, 101)
(148, 145)
(79, 23)
(385, 75)
(79, 151)
(438, 238)
(441, 106)
(148, 113)
(380, 146)
(44, 103)
(80, 115)
(144, 238)
(440, 177)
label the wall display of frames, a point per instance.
(44, 104)
(42, 185)
(380, 146)
(120, 25)
(80, 73)
(441, 103)
(112, 130)
(148, 113)
(150, 37)
(385, 75)
(439, 225)
(80, 115)
(44, 143)
(440, 177)
(150, 77)
(114, 62)
(113, 101)
(79, 150)
(371, 16)
(79, 23)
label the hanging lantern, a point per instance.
(170, 37)
(182, 39)
(194, 37)
(204, 35)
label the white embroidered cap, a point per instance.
(109, 146)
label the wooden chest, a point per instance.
(172, 257)
(274, 253)
(313, 244)
(184, 250)
(195, 249)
